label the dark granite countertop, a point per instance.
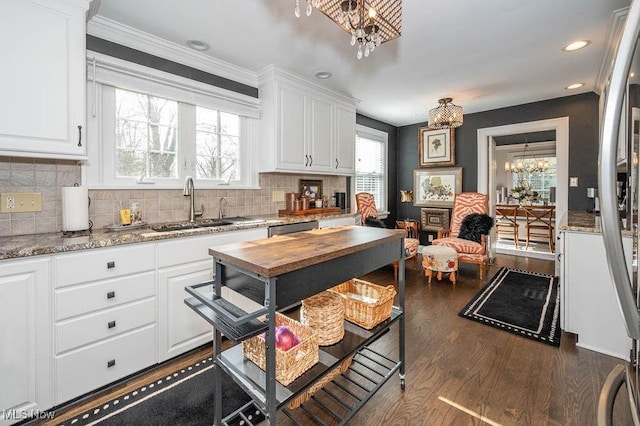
(581, 221)
(41, 244)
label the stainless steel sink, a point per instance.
(180, 226)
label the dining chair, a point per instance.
(539, 223)
(367, 208)
(506, 222)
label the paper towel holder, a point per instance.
(80, 232)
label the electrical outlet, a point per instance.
(573, 182)
(20, 202)
(277, 196)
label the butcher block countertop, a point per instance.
(271, 257)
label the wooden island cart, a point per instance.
(278, 273)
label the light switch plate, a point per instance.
(573, 182)
(20, 202)
(277, 196)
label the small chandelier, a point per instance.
(446, 115)
(533, 166)
(370, 22)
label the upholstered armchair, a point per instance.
(468, 251)
(367, 208)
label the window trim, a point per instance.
(380, 136)
(108, 73)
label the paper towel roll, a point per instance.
(75, 208)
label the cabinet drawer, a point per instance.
(94, 265)
(87, 298)
(85, 370)
(103, 324)
(187, 250)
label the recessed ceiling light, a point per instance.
(323, 75)
(574, 86)
(198, 45)
(576, 45)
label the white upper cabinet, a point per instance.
(345, 139)
(304, 127)
(43, 91)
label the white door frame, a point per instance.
(487, 165)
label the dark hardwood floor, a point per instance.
(460, 372)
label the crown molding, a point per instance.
(273, 72)
(115, 32)
(614, 33)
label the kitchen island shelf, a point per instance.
(338, 401)
(289, 269)
(252, 378)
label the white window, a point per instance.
(217, 144)
(146, 136)
(371, 165)
(147, 127)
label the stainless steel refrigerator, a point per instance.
(614, 129)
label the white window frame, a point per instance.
(380, 136)
(105, 73)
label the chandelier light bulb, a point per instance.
(296, 11)
(309, 8)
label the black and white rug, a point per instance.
(521, 302)
(182, 398)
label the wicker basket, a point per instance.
(366, 304)
(304, 396)
(289, 364)
(324, 313)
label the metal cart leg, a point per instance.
(217, 349)
(270, 342)
(401, 342)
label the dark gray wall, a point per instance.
(582, 111)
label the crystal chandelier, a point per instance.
(370, 22)
(446, 115)
(532, 166)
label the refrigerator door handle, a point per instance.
(607, 171)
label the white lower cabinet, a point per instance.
(25, 339)
(180, 328)
(181, 263)
(96, 365)
(341, 221)
(589, 306)
(105, 317)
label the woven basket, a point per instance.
(304, 396)
(289, 364)
(324, 313)
(366, 304)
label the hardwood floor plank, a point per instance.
(459, 370)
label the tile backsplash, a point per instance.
(157, 205)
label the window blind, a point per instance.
(371, 169)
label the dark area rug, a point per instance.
(183, 398)
(521, 302)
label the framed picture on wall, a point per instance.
(434, 219)
(436, 187)
(436, 147)
(311, 189)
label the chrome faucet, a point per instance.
(190, 191)
(222, 207)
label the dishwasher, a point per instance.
(289, 228)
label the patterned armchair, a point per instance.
(468, 251)
(367, 208)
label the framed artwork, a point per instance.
(311, 188)
(434, 219)
(436, 187)
(437, 147)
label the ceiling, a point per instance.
(484, 54)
